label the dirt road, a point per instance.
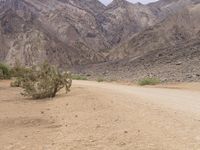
(102, 116)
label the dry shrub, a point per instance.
(4, 71)
(43, 81)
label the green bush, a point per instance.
(149, 81)
(78, 77)
(4, 71)
(100, 80)
(18, 70)
(17, 82)
(43, 82)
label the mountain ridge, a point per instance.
(70, 33)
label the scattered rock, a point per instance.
(122, 144)
(92, 141)
(198, 75)
(98, 126)
(125, 132)
(179, 63)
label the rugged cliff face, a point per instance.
(80, 32)
(179, 27)
(124, 19)
(58, 31)
(67, 32)
(169, 50)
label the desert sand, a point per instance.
(102, 116)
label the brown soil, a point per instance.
(102, 116)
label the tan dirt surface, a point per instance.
(194, 86)
(102, 116)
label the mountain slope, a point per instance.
(50, 30)
(169, 50)
(174, 30)
(67, 32)
(124, 19)
(132, 40)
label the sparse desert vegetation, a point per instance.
(149, 81)
(100, 80)
(42, 81)
(17, 73)
(5, 72)
(79, 77)
(19, 70)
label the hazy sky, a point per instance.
(134, 1)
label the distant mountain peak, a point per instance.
(117, 3)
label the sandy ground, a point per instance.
(102, 116)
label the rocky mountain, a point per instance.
(124, 19)
(62, 32)
(67, 32)
(122, 35)
(169, 50)
(174, 30)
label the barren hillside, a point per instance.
(67, 32)
(122, 39)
